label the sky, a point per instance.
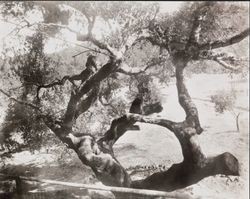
(169, 6)
(53, 45)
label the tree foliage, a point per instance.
(224, 100)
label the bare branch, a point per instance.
(20, 101)
(83, 76)
(120, 70)
(227, 66)
(108, 104)
(112, 52)
(151, 63)
(222, 59)
(118, 127)
(58, 26)
(227, 42)
(55, 83)
(152, 120)
(89, 36)
(80, 53)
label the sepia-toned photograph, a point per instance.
(124, 99)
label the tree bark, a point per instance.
(237, 122)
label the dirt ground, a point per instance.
(154, 145)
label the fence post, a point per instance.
(19, 187)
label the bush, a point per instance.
(224, 100)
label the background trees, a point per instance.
(137, 46)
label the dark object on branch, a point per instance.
(83, 76)
(91, 62)
(136, 106)
(117, 128)
(152, 108)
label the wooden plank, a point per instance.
(144, 192)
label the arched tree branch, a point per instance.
(150, 64)
(152, 120)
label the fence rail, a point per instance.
(144, 192)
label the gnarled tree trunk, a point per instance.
(195, 165)
(98, 154)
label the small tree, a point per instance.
(225, 101)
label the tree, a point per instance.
(191, 34)
(225, 101)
